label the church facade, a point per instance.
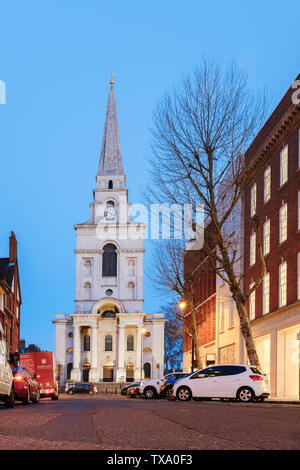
(109, 338)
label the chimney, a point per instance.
(13, 248)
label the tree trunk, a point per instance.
(195, 336)
(247, 334)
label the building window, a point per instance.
(130, 343)
(298, 276)
(222, 317)
(131, 290)
(87, 290)
(86, 343)
(267, 184)
(253, 200)
(109, 260)
(233, 218)
(108, 343)
(231, 314)
(147, 370)
(283, 284)
(110, 184)
(284, 165)
(69, 369)
(266, 237)
(266, 294)
(283, 223)
(298, 210)
(252, 248)
(252, 303)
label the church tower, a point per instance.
(109, 338)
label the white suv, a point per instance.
(150, 388)
(7, 393)
(241, 382)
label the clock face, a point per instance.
(110, 212)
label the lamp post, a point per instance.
(143, 332)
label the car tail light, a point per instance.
(19, 377)
(256, 377)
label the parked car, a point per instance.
(166, 388)
(83, 388)
(26, 387)
(7, 391)
(124, 389)
(133, 390)
(151, 388)
(242, 382)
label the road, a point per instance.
(114, 423)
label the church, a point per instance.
(109, 338)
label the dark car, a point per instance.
(124, 389)
(133, 390)
(26, 387)
(83, 388)
(167, 385)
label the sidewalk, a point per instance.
(282, 401)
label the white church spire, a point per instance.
(111, 162)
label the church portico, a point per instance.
(109, 338)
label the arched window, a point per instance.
(87, 290)
(109, 260)
(131, 290)
(108, 314)
(130, 343)
(86, 343)
(69, 368)
(110, 184)
(147, 370)
(108, 343)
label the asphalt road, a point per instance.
(114, 423)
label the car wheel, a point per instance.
(10, 401)
(245, 394)
(150, 392)
(169, 394)
(184, 394)
(26, 400)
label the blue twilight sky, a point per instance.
(55, 59)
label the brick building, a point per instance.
(204, 285)
(273, 195)
(10, 296)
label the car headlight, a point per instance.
(141, 384)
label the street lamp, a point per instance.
(182, 304)
(143, 332)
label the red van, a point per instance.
(42, 365)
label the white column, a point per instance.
(94, 355)
(139, 353)
(75, 374)
(94, 376)
(121, 348)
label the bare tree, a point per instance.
(200, 133)
(167, 274)
(173, 334)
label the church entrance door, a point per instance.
(108, 373)
(86, 371)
